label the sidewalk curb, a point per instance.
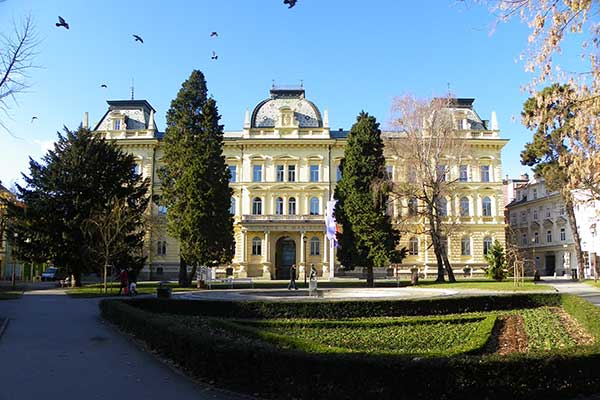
(3, 327)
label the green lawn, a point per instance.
(592, 283)
(487, 284)
(428, 336)
(96, 289)
(409, 335)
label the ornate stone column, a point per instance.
(302, 265)
(243, 272)
(267, 256)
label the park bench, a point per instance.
(230, 281)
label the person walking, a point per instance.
(132, 283)
(124, 281)
(292, 283)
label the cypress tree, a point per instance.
(195, 179)
(367, 239)
(81, 177)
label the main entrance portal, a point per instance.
(285, 256)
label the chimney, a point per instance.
(247, 120)
(494, 121)
(151, 125)
(85, 120)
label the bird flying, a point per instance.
(138, 38)
(214, 56)
(33, 118)
(103, 85)
(214, 34)
(290, 3)
(62, 22)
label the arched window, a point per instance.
(256, 246)
(314, 206)
(315, 246)
(487, 244)
(442, 207)
(413, 206)
(413, 246)
(257, 206)
(279, 206)
(465, 246)
(464, 207)
(292, 206)
(486, 207)
(232, 206)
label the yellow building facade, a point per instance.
(285, 164)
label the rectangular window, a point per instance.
(548, 236)
(485, 173)
(535, 215)
(536, 238)
(117, 124)
(279, 173)
(563, 234)
(232, 172)
(465, 248)
(315, 247)
(338, 173)
(291, 173)
(534, 194)
(441, 173)
(463, 174)
(161, 248)
(524, 240)
(562, 210)
(389, 171)
(314, 173)
(257, 173)
(548, 213)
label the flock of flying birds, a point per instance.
(137, 38)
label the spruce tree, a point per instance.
(75, 181)
(195, 179)
(367, 239)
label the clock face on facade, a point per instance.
(303, 113)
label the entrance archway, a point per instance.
(285, 256)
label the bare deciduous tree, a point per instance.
(427, 140)
(17, 53)
(551, 23)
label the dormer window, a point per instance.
(117, 124)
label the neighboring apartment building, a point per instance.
(7, 261)
(540, 226)
(284, 165)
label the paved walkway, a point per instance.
(588, 292)
(56, 347)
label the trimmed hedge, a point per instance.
(258, 367)
(346, 309)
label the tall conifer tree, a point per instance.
(367, 239)
(82, 176)
(195, 179)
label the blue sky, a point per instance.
(351, 56)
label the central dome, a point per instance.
(266, 112)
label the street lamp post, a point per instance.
(535, 267)
(304, 239)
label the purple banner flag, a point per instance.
(330, 222)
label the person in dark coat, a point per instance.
(292, 283)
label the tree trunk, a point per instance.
(448, 267)
(435, 240)
(76, 279)
(370, 280)
(191, 276)
(183, 278)
(569, 206)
